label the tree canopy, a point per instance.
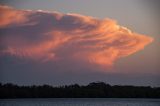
(92, 90)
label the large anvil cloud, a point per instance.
(53, 36)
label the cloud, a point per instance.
(9, 16)
(52, 36)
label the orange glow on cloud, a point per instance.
(52, 36)
(9, 15)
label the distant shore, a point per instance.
(92, 90)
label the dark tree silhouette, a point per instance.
(92, 90)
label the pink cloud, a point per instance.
(10, 16)
(53, 36)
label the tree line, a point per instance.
(92, 90)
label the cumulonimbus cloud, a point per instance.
(53, 36)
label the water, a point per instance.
(80, 102)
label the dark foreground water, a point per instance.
(80, 102)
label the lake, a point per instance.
(80, 102)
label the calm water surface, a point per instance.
(80, 102)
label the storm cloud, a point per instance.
(45, 36)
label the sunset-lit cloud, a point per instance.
(53, 36)
(9, 16)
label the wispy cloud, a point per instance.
(53, 36)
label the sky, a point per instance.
(71, 41)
